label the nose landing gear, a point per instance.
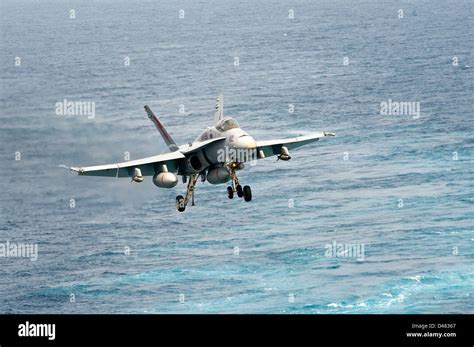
(244, 192)
(247, 193)
(230, 192)
(240, 191)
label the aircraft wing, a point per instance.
(273, 147)
(197, 146)
(148, 166)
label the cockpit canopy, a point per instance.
(226, 124)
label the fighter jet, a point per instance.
(215, 156)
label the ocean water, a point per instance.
(401, 186)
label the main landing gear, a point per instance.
(244, 192)
(182, 202)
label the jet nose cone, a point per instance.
(246, 142)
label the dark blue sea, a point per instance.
(400, 185)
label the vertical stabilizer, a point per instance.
(164, 134)
(219, 113)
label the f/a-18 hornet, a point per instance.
(216, 155)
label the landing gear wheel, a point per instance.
(180, 205)
(240, 192)
(230, 192)
(247, 193)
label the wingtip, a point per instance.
(77, 169)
